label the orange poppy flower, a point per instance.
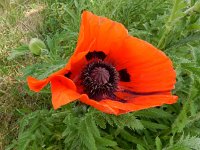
(111, 71)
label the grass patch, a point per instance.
(17, 26)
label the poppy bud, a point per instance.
(36, 45)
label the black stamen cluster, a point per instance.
(99, 80)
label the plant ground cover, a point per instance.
(27, 120)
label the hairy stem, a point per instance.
(161, 43)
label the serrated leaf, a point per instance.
(20, 51)
(153, 113)
(127, 136)
(158, 143)
(86, 136)
(186, 40)
(153, 125)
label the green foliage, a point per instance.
(171, 25)
(22, 50)
(66, 129)
(186, 143)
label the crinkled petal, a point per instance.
(99, 33)
(99, 105)
(141, 102)
(63, 91)
(37, 85)
(149, 69)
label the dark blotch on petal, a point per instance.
(143, 94)
(100, 55)
(122, 100)
(124, 75)
(68, 74)
(115, 98)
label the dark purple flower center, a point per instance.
(100, 75)
(99, 80)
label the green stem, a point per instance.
(179, 124)
(169, 24)
(161, 43)
(194, 118)
(195, 7)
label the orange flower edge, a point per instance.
(111, 71)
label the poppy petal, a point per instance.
(63, 91)
(99, 105)
(100, 31)
(143, 67)
(127, 94)
(77, 63)
(37, 85)
(142, 102)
